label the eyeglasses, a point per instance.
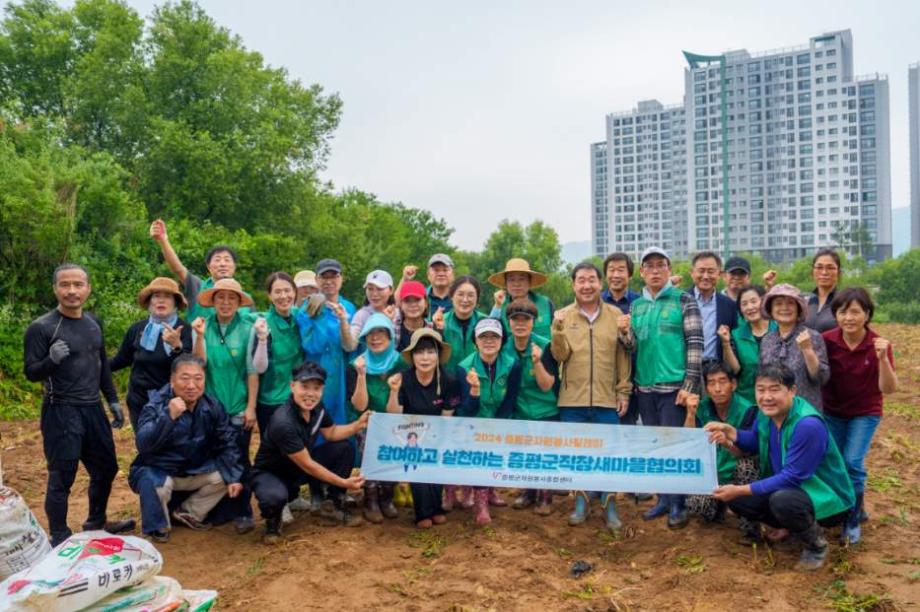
(823, 268)
(658, 266)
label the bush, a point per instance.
(900, 312)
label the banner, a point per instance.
(538, 454)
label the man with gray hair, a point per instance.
(65, 350)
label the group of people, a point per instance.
(789, 386)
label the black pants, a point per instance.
(273, 490)
(787, 508)
(632, 413)
(426, 500)
(264, 414)
(136, 403)
(71, 434)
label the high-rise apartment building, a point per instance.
(782, 152)
(913, 85)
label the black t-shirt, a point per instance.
(416, 398)
(287, 434)
(79, 378)
(149, 369)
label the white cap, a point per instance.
(379, 278)
(653, 250)
(489, 325)
(305, 278)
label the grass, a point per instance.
(884, 481)
(256, 566)
(586, 592)
(692, 564)
(910, 411)
(842, 600)
(432, 544)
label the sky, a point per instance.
(484, 110)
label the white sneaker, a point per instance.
(299, 505)
(286, 517)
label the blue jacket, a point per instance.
(198, 442)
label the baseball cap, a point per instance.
(521, 307)
(305, 278)
(379, 278)
(441, 258)
(653, 250)
(411, 289)
(738, 263)
(309, 370)
(328, 265)
(489, 325)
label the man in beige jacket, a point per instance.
(591, 342)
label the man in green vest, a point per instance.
(517, 281)
(804, 483)
(220, 261)
(668, 333)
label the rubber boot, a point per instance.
(482, 506)
(387, 508)
(467, 497)
(525, 500)
(677, 513)
(580, 513)
(399, 496)
(815, 549)
(495, 499)
(611, 518)
(661, 507)
(544, 505)
(450, 498)
(851, 532)
(372, 503)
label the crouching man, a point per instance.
(290, 457)
(803, 481)
(185, 443)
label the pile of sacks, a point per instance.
(92, 570)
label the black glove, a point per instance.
(118, 417)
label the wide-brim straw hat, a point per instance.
(206, 297)
(784, 290)
(426, 332)
(517, 264)
(165, 285)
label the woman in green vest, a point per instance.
(284, 350)
(490, 380)
(366, 389)
(235, 351)
(803, 483)
(741, 346)
(517, 281)
(457, 325)
(536, 399)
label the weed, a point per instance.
(586, 592)
(841, 600)
(903, 409)
(564, 553)
(885, 481)
(256, 566)
(431, 544)
(692, 564)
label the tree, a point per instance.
(538, 243)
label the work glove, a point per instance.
(59, 351)
(118, 417)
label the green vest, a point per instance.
(491, 393)
(829, 488)
(747, 350)
(543, 324)
(227, 372)
(706, 413)
(533, 403)
(378, 391)
(661, 355)
(286, 354)
(461, 345)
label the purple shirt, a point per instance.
(806, 449)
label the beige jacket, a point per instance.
(594, 360)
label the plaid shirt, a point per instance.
(693, 349)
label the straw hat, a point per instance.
(206, 298)
(517, 264)
(166, 285)
(427, 332)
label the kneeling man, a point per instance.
(289, 455)
(803, 481)
(185, 443)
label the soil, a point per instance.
(522, 561)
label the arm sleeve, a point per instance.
(559, 345)
(747, 441)
(806, 448)
(153, 428)
(693, 341)
(623, 364)
(256, 354)
(549, 362)
(351, 381)
(125, 355)
(37, 365)
(469, 405)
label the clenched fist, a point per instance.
(394, 382)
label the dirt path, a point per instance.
(522, 561)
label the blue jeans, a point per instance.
(853, 437)
(603, 416)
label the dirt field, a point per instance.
(522, 561)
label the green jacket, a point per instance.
(543, 324)
(661, 355)
(229, 365)
(285, 354)
(533, 403)
(829, 488)
(491, 393)
(737, 411)
(461, 345)
(747, 350)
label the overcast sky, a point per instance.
(484, 110)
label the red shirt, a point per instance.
(852, 390)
